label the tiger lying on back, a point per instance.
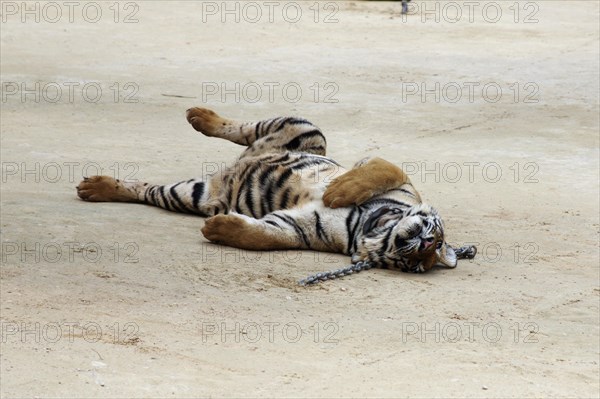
(284, 193)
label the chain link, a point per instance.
(466, 252)
(346, 271)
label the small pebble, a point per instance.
(484, 388)
(342, 289)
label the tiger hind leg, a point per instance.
(210, 124)
(266, 136)
(190, 196)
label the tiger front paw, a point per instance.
(205, 121)
(104, 189)
(246, 233)
(364, 182)
(347, 190)
(225, 229)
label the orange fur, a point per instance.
(362, 183)
(205, 120)
(236, 232)
(104, 189)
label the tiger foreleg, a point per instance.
(366, 180)
(243, 232)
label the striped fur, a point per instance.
(273, 198)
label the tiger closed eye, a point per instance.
(439, 245)
(400, 242)
(414, 231)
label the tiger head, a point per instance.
(410, 239)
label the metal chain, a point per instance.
(466, 252)
(330, 275)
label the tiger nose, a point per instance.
(426, 242)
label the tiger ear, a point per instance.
(446, 256)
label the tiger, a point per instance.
(283, 192)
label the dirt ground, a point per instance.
(494, 116)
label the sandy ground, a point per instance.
(114, 300)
